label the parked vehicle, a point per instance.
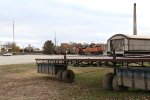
(7, 54)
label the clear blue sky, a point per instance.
(73, 20)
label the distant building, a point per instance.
(2, 48)
(31, 49)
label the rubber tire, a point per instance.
(116, 87)
(107, 81)
(59, 75)
(68, 76)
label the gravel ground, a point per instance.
(21, 82)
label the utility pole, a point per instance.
(23, 50)
(13, 39)
(55, 43)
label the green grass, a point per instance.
(93, 82)
(87, 85)
(17, 68)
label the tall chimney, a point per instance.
(134, 21)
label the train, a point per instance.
(92, 49)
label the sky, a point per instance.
(81, 21)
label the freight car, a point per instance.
(129, 44)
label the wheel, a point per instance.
(116, 87)
(59, 75)
(68, 76)
(107, 81)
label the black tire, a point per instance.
(59, 75)
(107, 81)
(68, 76)
(116, 87)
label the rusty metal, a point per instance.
(105, 59)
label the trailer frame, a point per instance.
(59, 67)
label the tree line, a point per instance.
(69, 48)
(48, 48)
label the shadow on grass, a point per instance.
(46, 78)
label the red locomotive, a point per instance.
(91, 49)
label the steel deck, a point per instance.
(108, 59)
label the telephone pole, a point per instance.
(55, 43)
(13, 39)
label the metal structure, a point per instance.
(124, 76)
(134, 77)
(129, 44)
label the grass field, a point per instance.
(22, 82)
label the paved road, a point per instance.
(22, 59)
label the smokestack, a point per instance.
(134, 21)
